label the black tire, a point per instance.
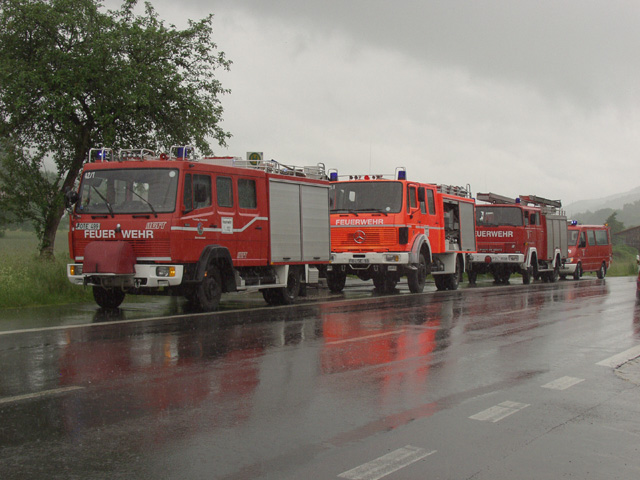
(208, 293)
(440, 281)
(336, 280)
(108, 298)
(501, 277)
(269, 297)
(417, 278)
(527, 273)
(473, 277)
(453, 279)
(577, 273)
(553, 275)
(384, 283)
(284, 295)
(602, 271)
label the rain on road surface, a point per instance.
(484, 383)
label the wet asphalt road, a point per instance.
(489, 382)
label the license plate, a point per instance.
(359, 260)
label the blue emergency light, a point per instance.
(333, 176)
(402, 174)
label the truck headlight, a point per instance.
(392, 258)
(165, 271)
(75, 269)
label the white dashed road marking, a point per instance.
(497, 413)
(386, 464)
(563, 383)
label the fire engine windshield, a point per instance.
(140, 190)
(491, 216)
(385, 197)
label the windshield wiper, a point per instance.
(348, 210)
(377, 210)
(104, 200)
(144, 200)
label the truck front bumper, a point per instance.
(145, 276)
(363, 260)
(489, 258)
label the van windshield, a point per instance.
(492, 216)
(131, 190)
(385, 197)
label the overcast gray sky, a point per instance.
(515, 97)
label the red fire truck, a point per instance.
(176, 224)
(527, 235)
(383, 229)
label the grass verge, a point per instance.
(28, 280)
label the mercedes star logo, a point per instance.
(359, 236)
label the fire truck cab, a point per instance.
(383, 229)
(527, 235)
(176, 224)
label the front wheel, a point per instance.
(602, 271)
(208, 293)
(108, 297)
(417, 278)
(527, 273)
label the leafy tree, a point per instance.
(73, 77)
(615, 225)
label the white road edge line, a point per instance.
(386, 464)
(44, 393)
(620, 358)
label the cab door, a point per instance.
(198, 220)
(434, 225)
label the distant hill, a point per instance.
(614, 202)
(596, 211)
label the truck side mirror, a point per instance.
(70, 198)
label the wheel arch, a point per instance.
(219, 256)
(421, 245)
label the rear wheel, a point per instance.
(440, 281)
(384, 283)
(577, 272)
(336, 280)
(108, 297)
(501, 277)
(453, 280)
(284, 295)
(417, 278)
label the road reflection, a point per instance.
(330, 372)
